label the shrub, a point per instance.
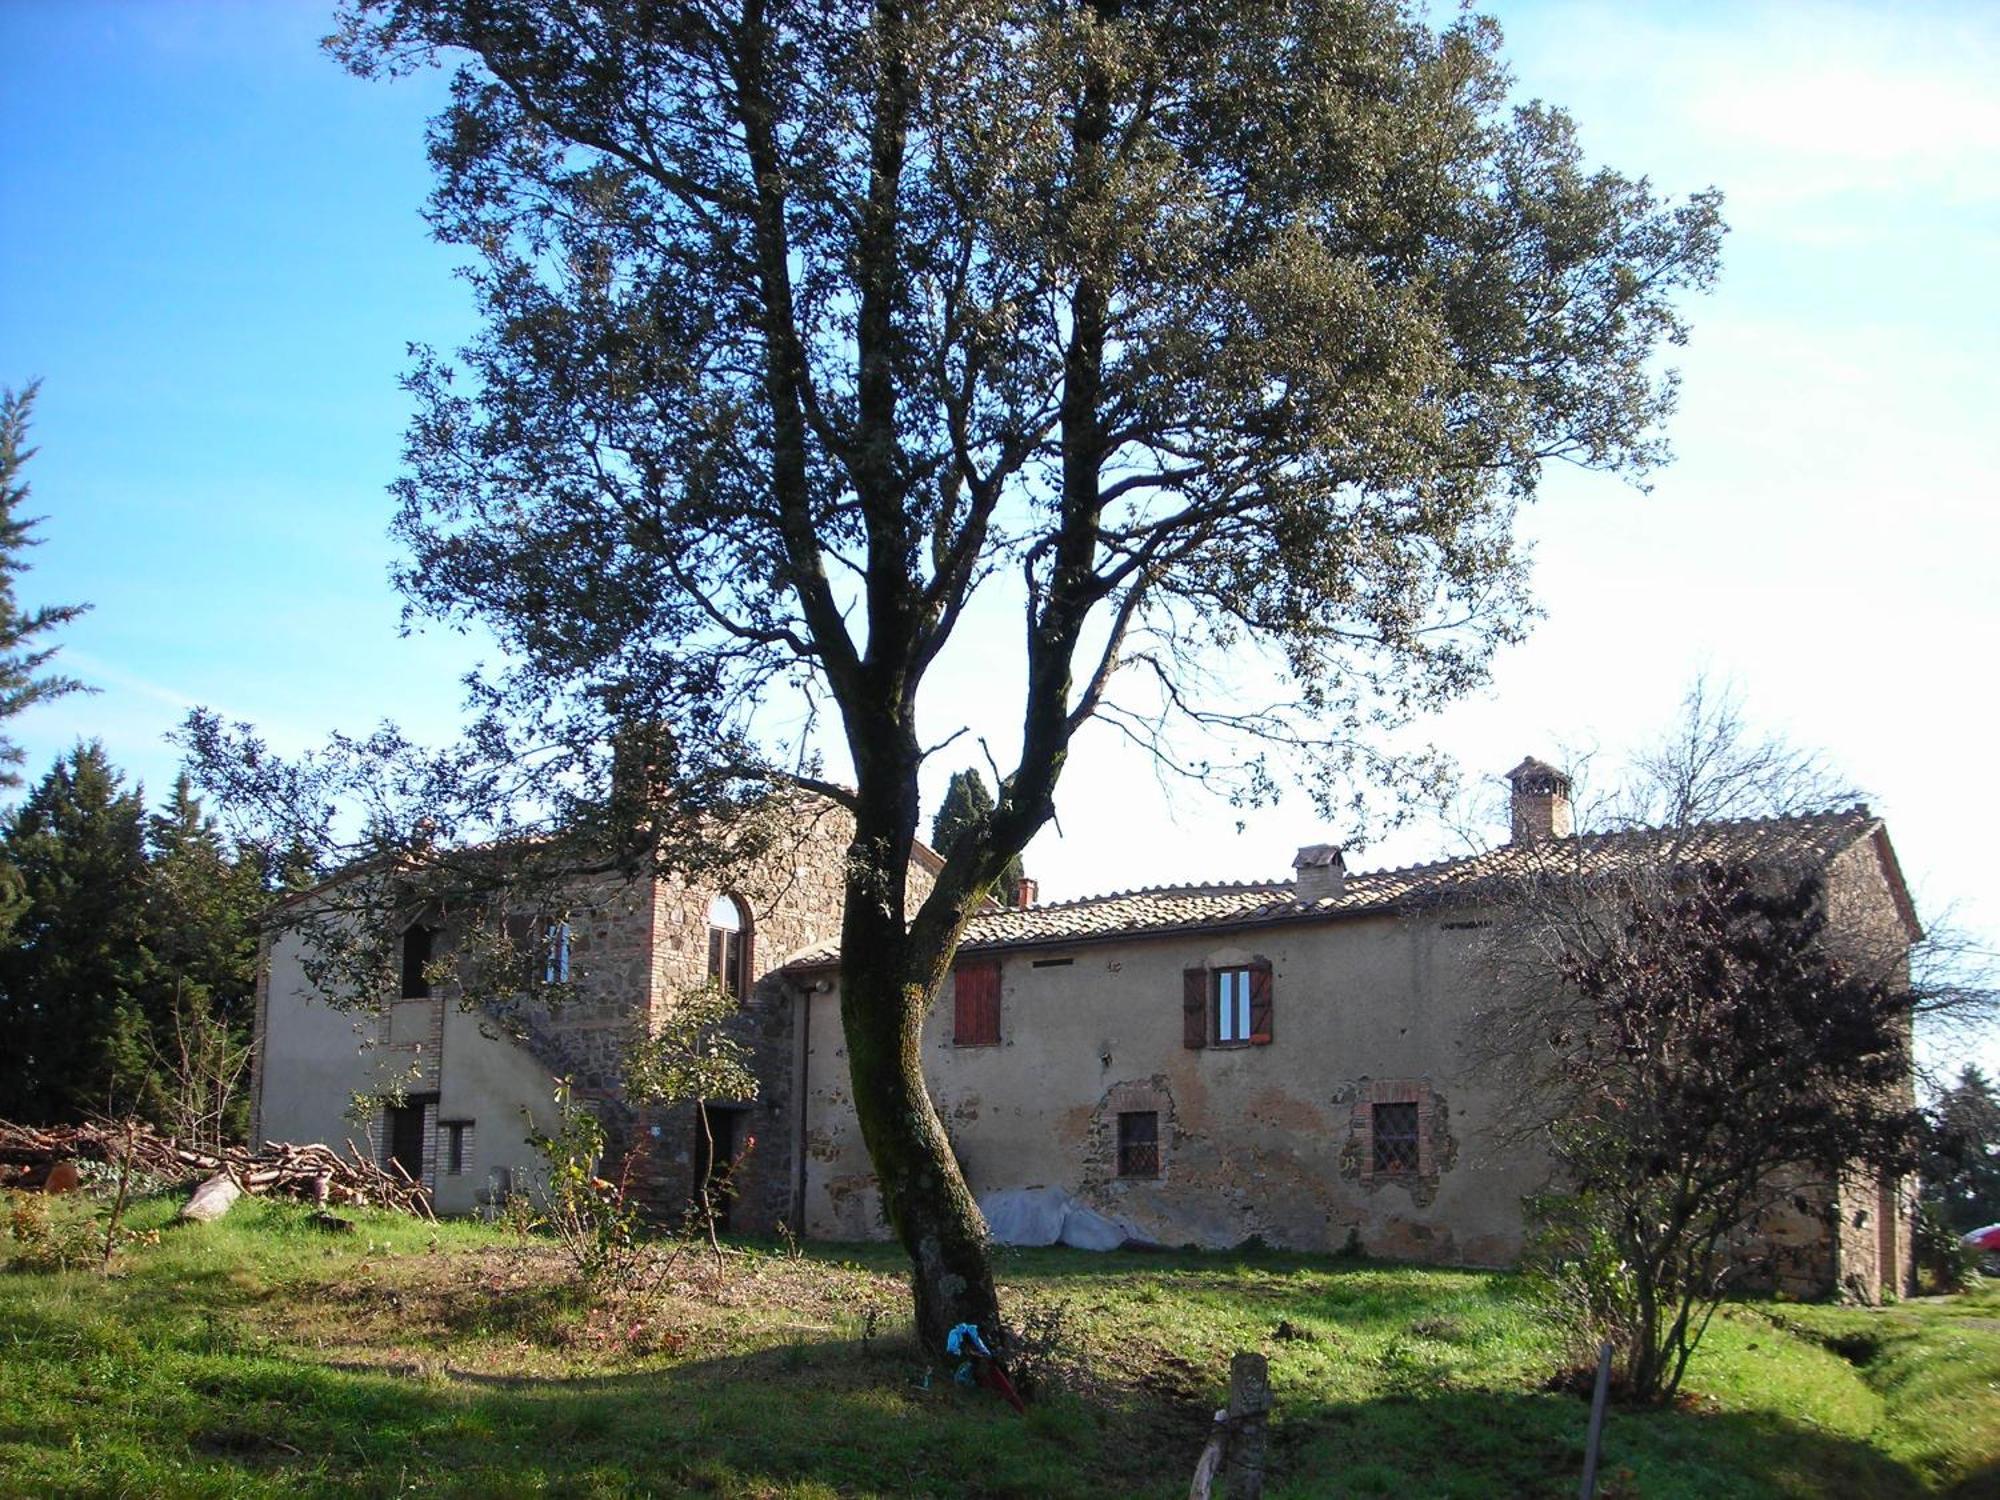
(1050, 1352)
(592, 1218)
(1944, 1263)
(1586, 1288)
(51, 1233)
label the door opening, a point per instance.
(715, 1146)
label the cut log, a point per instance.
(313, 1171)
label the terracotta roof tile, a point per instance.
(1806, 840)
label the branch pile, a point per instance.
(314, 1173)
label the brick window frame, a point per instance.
(975, 1003)
(729, 947)
(382, 1134)
(1396, 1091)
(455, 1153)
(1134, 1096)
(1139, 1143)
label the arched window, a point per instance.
(729, 945)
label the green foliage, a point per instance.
(1575, 1268)
(1944, 1262)
(591, 1217)
(77, 975)
(24, 680)
(1961, 1165)
(49, 1232)
(128, 978)
(691, 1057)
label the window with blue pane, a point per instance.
(1232, 1005)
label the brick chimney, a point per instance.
(1540, 803)
(1319, 872)
(1026, 892)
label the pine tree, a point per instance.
(23, 681)
(1961, 1168)
(966, 802)
(202, 905)
(75, 975)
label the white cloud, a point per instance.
(1787, 102)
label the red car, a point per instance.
(1986, 1241)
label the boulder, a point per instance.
(212, 1199)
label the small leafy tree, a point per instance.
(1699, 1056)
(692, 1059)
(689, 1059)
(1694, 1040)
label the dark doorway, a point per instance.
(404, 1138)
(715, 1146)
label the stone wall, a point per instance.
(793, 896)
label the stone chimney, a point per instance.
(1319, 872)
(1541, 802)
(643, 759)
(1026, 892)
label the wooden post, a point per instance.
(1588, 1489)
(1249, 1407)
(1210, 1462)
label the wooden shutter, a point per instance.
(1194, 1007)
(520, 928)
(1260, 1004)
(975, 1018)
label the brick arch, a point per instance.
(732, 950)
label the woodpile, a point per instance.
(317, 1174)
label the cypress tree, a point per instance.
(966, 803)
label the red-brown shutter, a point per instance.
(1260, 1004)
(975, 1016)
(1194, 1007)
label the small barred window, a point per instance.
(1139, 1143)
(1395, 1132)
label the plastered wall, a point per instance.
(1266, 1141)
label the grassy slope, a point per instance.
(258, 1357)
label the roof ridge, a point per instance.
(1179, 887)
(1858, 808)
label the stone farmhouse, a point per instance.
(1283, 1061)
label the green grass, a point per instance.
(259, 1356)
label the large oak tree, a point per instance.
(1198, 332)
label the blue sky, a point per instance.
(214, 260)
